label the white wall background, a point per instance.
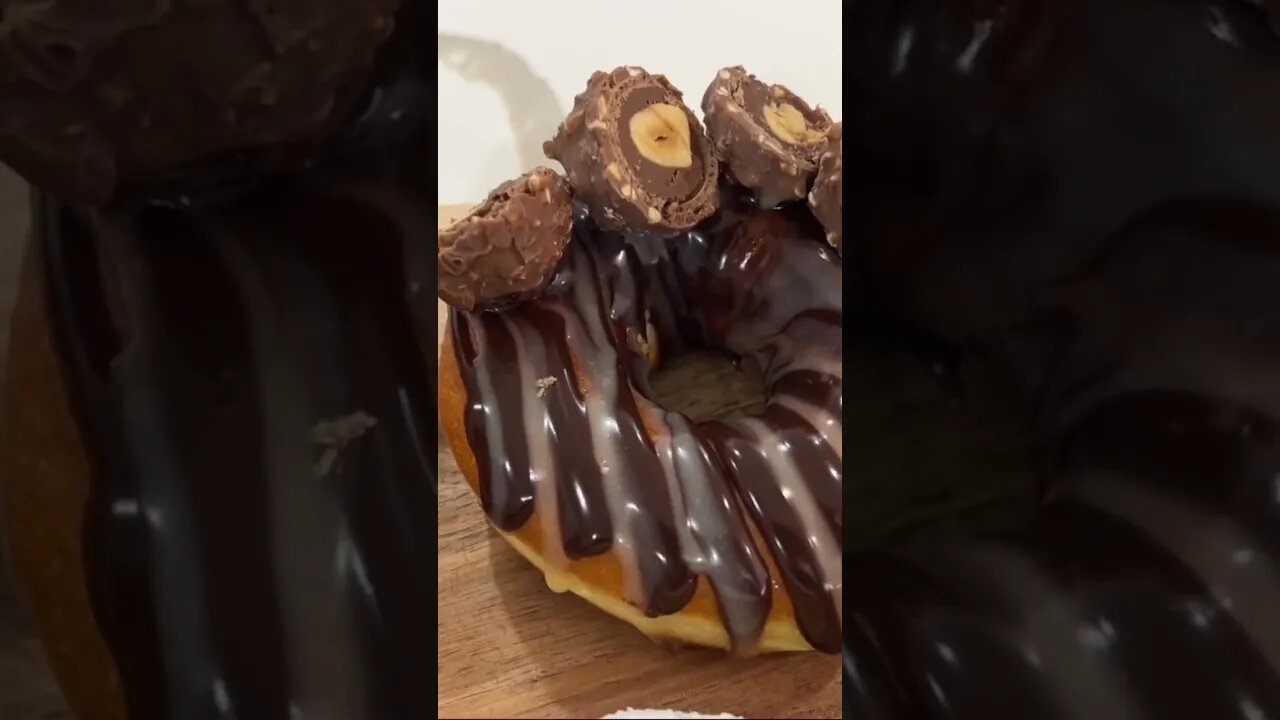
(508, 70)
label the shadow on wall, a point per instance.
(532, 109)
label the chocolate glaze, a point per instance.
(211, 531)
(1082, 195)
(676, 504)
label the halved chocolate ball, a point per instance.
(636, 155)
(506, 250)
(768, 138)
(97, 97)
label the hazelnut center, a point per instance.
(661, 136)
(789, 125)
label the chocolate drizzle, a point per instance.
(229, 579)
(673, 498)
(505, 455)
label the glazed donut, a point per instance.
(256, 511)
(215, 501)
(724, 533)
(691, 531)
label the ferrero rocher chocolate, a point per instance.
(507, 248)
(94, 95)
(636, 155)
(767, 137)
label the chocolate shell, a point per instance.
(507, 248)
(93, 97)
(768, 138)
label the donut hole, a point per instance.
(705, 385)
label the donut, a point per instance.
(723, 533)
(215, 496)
(211, 460)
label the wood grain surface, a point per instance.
(510, 647)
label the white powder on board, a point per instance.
(662, 714)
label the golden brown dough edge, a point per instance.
(45, 478)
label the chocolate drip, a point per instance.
(815, 458)
(719, 543)
(619, 439)
(664, 493)
(631, 463)
(497, 431)
(784, 531)
(585, 526)
(668, 583)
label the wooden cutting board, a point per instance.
(510, 647)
